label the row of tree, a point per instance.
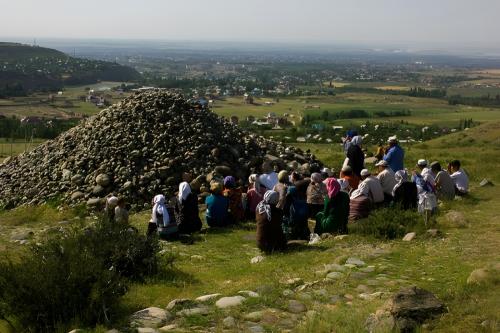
(14, 128)
(485, 101)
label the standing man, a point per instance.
(395, 155)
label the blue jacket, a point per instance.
(395, 157)
(217, 206)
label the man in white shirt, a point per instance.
(459, 177)
(387, 179)
(426, 172)
(370, 186)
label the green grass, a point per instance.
(15, 148)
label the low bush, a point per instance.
(388, 223)
(77, 277)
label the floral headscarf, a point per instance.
(333, 187)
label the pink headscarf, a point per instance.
(333, 187)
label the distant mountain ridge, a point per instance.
(25, 68)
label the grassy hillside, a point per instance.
(27, 68)
(14, 52)
(219, 261)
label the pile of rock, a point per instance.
(138, 148)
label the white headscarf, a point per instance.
(254, 179)
(184, 191)
(362, 189)
(270, 198)
(357, 140)
(112, 202)
(401, 177)
(344, 184)
(161, 208)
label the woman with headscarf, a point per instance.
(255, 194)
(335, 214)
(360, 204)
(270, 235)
(217, 207)
(282, 188)
(109, 209)
(404, 192)
(427, 200)
(236, 211)
(186, 210)
(296, 211)
(355, 156)
(316, 193)
(160, 218)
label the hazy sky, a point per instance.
(392, 21)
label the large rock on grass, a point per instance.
(150, 317)
(412, 306)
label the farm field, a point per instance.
(8, 149)
(64, 106)
(423, 110)
(219, 261)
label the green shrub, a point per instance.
(76, 277)
(388, 223)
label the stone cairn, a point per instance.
(137, 148)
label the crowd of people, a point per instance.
(284, 202)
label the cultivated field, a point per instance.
(423, 110)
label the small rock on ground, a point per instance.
(295, 306)
(355, 261)
(226, 302)
(256, 260)
(334, 275)
(168, 328)
(248, 293)
(178, 302)
(229, 322)
(149, 317)
(409, 236)
(254, 316)
(207, 298)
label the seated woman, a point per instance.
(427, 200)
(255, 194)
(121, 212)
(236, 212)
(186, 210)
(217, 207)
(296, 212)
(404, 192)
(316, 193)
(335, 214)
(109, 209)
(360, 204)
(160, 219)
(282, 188)
(270, 235)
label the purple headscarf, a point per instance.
(229, 182)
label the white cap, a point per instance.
(327, 171)
(422, 162)
(382, 163)
(392, 139)
(365, 173)
(113, 201)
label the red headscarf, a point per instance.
(333, 187)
